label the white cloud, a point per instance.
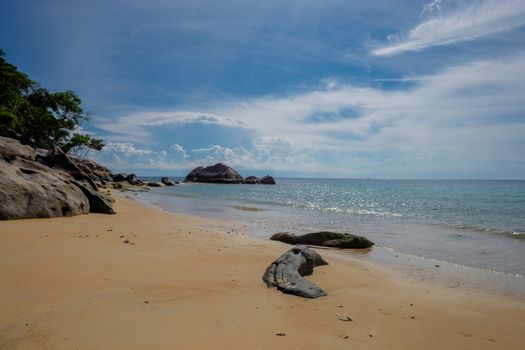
(137, 125)
(126, 149)
(479, 19)
(465, 118)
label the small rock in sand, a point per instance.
(343, 318)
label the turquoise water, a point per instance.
(477, 224)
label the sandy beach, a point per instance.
(146, 279)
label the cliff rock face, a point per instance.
(48, 184)
(218, 173)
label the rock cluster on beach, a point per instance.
(223, 174)
(286, 273)
(48, 183)
(325, 239)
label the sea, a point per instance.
(454, 232)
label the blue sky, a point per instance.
(313, 88)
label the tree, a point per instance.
(38, 117)
(81, 144)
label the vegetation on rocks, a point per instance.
(40, 118)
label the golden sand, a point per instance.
(145, 279)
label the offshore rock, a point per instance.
(286, 273)
(267, 180)
(192, 176)
(252, 180)
(218, 173)
(325, 239)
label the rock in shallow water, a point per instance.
(325, 239)
(267, 180)
(252, 180)
(286, 273)
(218, 173)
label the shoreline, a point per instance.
(193, 282)
(412, 267)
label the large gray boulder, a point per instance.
(286, 273)
(37, 191)
(325, 239)
(218, 173)
(267, 180)
(252, 180)
(166, 181)
(10, 148)
(98, 203)
(192, 176)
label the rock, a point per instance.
(58, 159)
(192, 176)
(37, 191)
(286, 273)
(120, 177)
(94, 170)
(10, 148)
(218, 173)
(252, 180)
(155, 184)
(98, 203)
(267, 180)
(166, 181)
(130, 178)
(325, 239)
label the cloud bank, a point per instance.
(463, 119)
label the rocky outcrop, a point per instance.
(252, 180)
(155, 184)
(267, 180)
(325, 239)
(38, 192)
(286, 273)
(93, 169)
(10, 148)
(218, 173)
(167, 182)
(130, 178)
(48, 183)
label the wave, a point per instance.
(354, 211)
(516, 234)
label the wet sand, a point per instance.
(146, 279)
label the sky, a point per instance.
(431, 89)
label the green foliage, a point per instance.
(38, 117)
(81, 144)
